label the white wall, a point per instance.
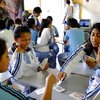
(54, 8)
(91, 10)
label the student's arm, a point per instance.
(98, 56)
(51, 79)
(66, 38)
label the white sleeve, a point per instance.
(36, 63)
(16, 65)
(72, 61)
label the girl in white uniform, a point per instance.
(23, 59)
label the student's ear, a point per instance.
(16, 40)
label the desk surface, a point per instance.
(75, 83)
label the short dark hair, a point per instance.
(9, 23)
(2, 24)
(2, 47)
(18, 21)
(37, 10)
(30, 22)
(68, 2)
(89, 47)
(21, 30)
(72, 22)
(96, 25)
(44, 24)
(50, 17)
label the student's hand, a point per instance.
(62, 75)
(91, 62)
(19, 50)
(45, 67)
(98, 56)
(51, 79)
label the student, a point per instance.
(6, 34)
(7, 92)
(69, 11)
(23, 59)
(46, 41)
(93, 90)
(92, 49)
(25, 15)
(36, 13)
(53, 28)
(34, 33)
(72, 39)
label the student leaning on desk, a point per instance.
(8, 93)
(91, 56)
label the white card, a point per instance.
(40, 91)
(44, 62)
(58, 88)
(76, 95)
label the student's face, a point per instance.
(24, 40)
(4, 61)
(95, 37)
(36, 14)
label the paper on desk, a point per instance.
(40, 91)
(76, 95)
(58, 88)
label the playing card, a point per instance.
(58, 88)
(40, 91)
(76, 95)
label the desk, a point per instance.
(75, 83)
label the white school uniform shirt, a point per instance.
(8, 36)
(23, 64)
(69, 11)
(45, 39)
(35, 18)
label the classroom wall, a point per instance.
(91, 10)
(80, 2)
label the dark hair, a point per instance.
(72, 22)
(9, 23)
(37, 10)
(2, 47)
(96, 25)
(18, 21)
(30, 22)
(44, 24)
(2, 24)
(68, 2)
(21, 30)
(50, 18)
(89, 48)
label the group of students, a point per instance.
(23, 59)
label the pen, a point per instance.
(61, 80)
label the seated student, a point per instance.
(53, 28)
(23, 59)
(92, 49)
(93, 90)
(72, 39)
(8, 93)
(6, 34)
(36, 13)
(87, 53)
(34, 33)
(46, 41)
